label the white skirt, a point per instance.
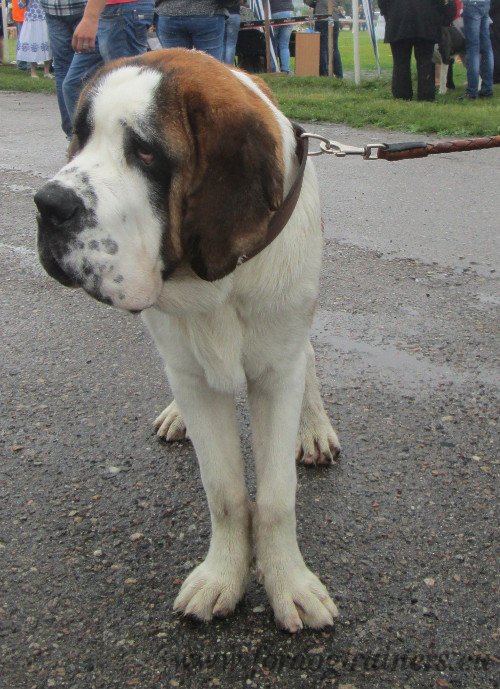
(33, 42)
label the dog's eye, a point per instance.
(145, 156)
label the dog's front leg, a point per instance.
(296, 594)
(443, 78)
(214, 587)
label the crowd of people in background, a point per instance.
(81, 35)
(417, 25)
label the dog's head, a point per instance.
(174, 160)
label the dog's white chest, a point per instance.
(216, 340)
(211, 341)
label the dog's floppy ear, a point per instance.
(236, 185)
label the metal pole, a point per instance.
(267, 33)
(5, 51)
(330, 38)
(355, 40)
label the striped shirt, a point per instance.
(63, 8)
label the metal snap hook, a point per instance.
(325, 144)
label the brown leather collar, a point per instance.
(284, 212)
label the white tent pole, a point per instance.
(5, 55)
(355, 41)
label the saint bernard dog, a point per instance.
(177, 166)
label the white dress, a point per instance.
(33, 42)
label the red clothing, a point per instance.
(17, 12)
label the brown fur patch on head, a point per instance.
(232, 175)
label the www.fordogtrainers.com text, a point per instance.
(334, 662)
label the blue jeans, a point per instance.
(60, 33)
(204, 33)
(123, 32)
(282, 40)
(478, 50)
(231, 38)
(322, 27)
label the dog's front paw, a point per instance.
(170, 424)
(298, 598)
(317, 442)
(212, 590)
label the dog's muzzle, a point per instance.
(60, 213)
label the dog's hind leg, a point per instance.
(317, 442)
(450, 84)
(443, 78)
(170, 424)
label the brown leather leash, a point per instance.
(401, 151)
(422, 150)
(377, 151)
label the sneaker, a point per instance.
(467, 97)
(488, 94)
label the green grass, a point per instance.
(314, 99)
(366, 54)
(12, 79)
(371, 104)
(330, 100)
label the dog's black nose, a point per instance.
(57, 204)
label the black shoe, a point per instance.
(489, 94)
(467, 97)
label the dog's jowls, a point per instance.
(177, 165)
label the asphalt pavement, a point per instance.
(100, 522)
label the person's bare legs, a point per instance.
(46, 69)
